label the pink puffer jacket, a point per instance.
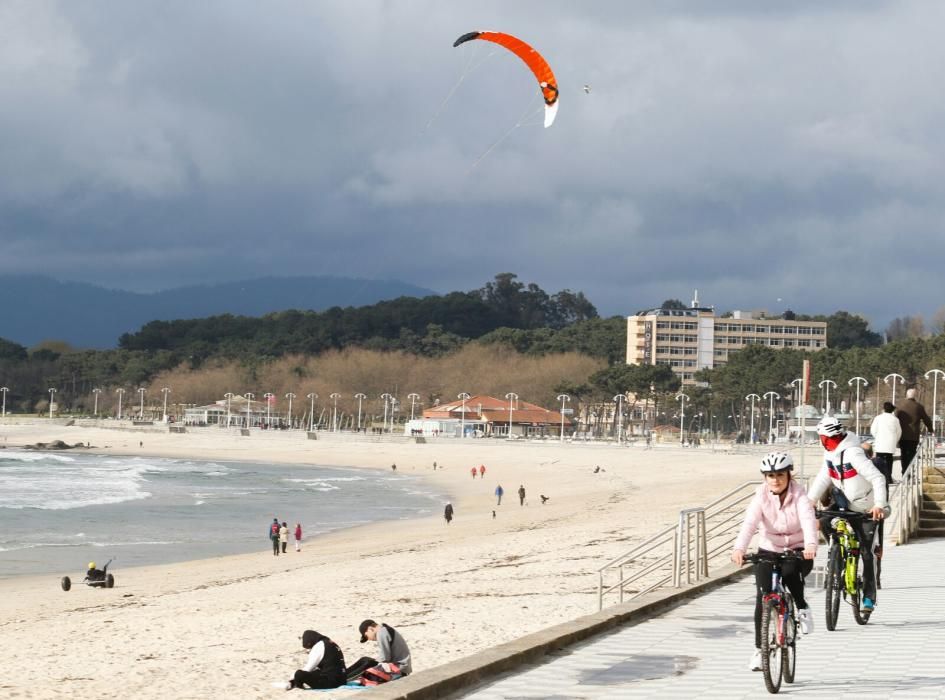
(790, 525)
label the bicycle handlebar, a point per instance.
(755, 557)
(845, 514)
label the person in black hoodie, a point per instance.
(325, 666)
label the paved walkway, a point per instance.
(702, 649)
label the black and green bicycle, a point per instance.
(844, 576)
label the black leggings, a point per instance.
(792, 574)
(360, 666)
(316, 679)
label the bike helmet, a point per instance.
(830, 427)
(776, 462)
(91, 564)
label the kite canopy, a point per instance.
(534, 60)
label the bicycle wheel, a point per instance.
(771, 656)
(861, 617)
(834, 586)
(789, 653)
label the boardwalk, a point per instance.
(702, 649)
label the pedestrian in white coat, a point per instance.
(886, 432)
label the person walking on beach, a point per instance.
(274, 536)
(521, 495)
(298, 537)
(448, 513)
(910, 414)
(498, 494)
(482, 471)
(325, 666)
(284, 536)
(886, 432)
(473, 472)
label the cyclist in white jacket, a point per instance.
(857, 485)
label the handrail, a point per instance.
(699, 535)
(909, 495)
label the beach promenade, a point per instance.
(701, 649)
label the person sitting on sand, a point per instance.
(393, 654)
(325, 666)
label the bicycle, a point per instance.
(844, 577)
(778, 624)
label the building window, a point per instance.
(803, 343)
(790, 330)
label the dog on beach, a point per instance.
(544, 499)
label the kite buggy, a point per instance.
(95, 577)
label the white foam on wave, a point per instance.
(55, 484)
(30, 456)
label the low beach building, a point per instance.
(237, 411)
(487, 416)
(690, 339)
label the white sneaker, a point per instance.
(806, 618)
(755, 664)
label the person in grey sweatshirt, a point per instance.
(391, 648)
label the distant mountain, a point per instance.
(37, 308)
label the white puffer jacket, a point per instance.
(886, 432)
(851, 471)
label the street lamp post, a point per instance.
(95, 393)
(512, 397)
(936, 373)
(619, 399)
(121, 393)
(4, 390)
(165, 391)
(562, 398)
(52, 399)
(894, 377)
(386, 398)
(772, 395)
(826, 384)
(141, 391)
(228, 396)
(394, 403)
(269, 396)
(334, 396)
(249, 405)
(413, 400)
(752, 398)
(311, 414)
(682, 399)
(360, 397)
(290, 396)
(464, 397)
(860, 382)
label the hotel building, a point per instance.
(695, 338)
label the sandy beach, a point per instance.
(190, 630)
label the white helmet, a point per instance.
(776, 462)
(830, 427)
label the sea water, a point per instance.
(59, 511)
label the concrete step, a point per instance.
(934, 478)
(932, 515)
(936, 491)
(930, 531)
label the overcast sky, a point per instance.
(757, 154)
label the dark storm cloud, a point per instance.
(735, 147)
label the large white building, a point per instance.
(695, 338)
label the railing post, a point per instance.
(704, 545)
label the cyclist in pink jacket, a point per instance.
(785, 517)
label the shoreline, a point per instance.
(452, 590)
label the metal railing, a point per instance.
(909, 494)
(699, 536)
